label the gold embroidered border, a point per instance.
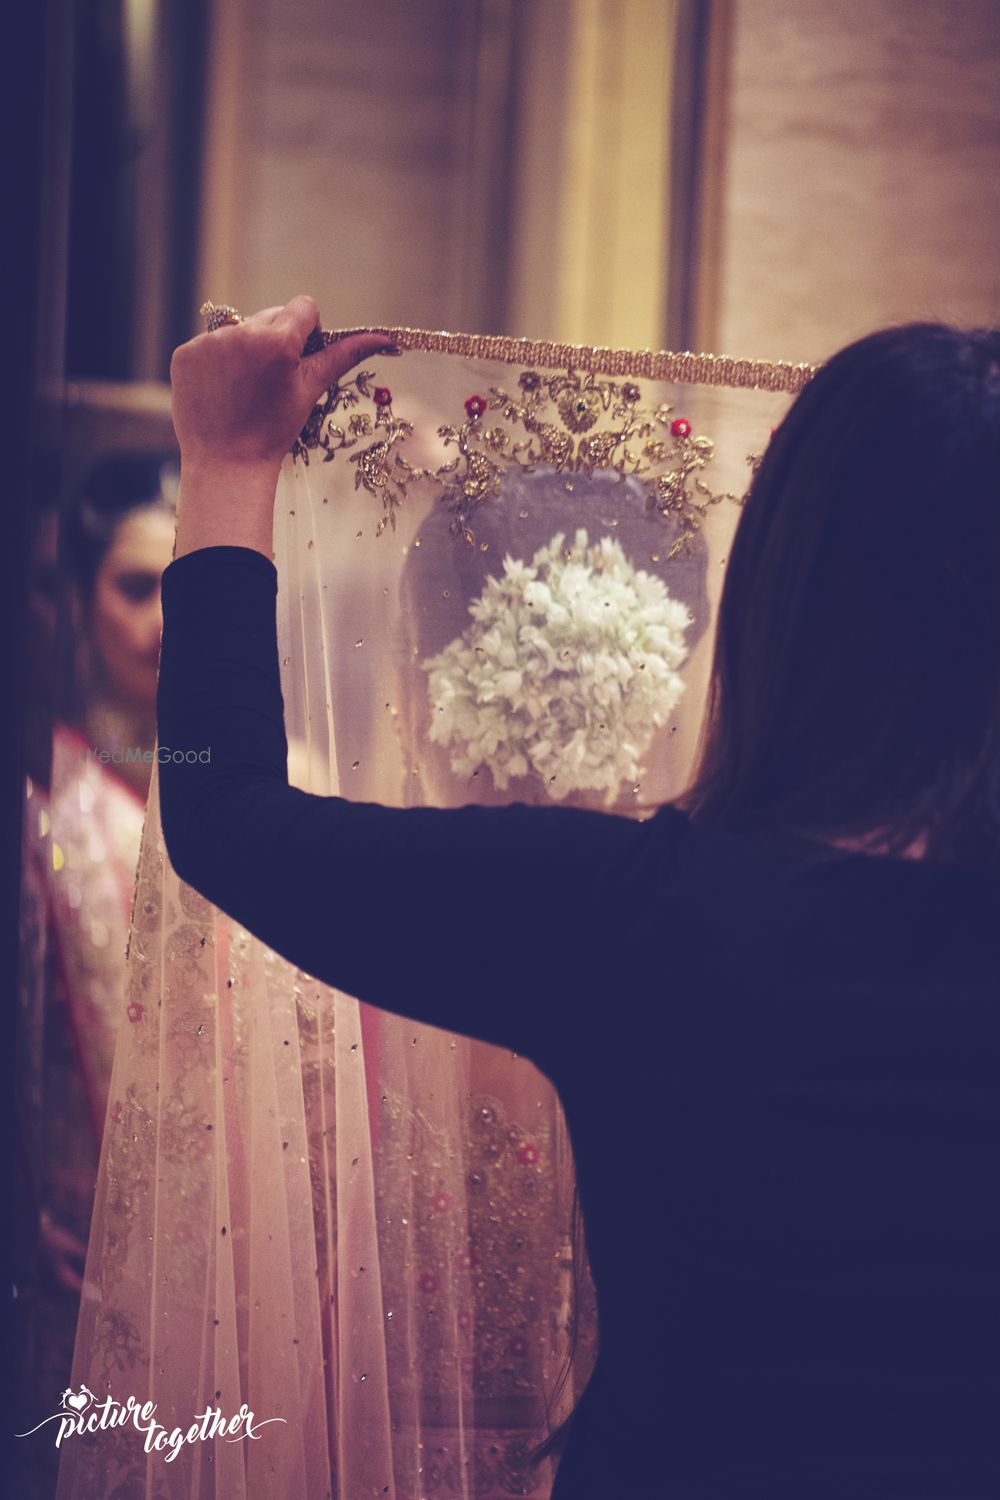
(647, 364)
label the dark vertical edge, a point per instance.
(504, 187)
(488, 173)
(715, 134)
(696, 138)
(23, 31)
(106, 156)
(108, 290)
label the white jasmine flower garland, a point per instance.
(568, 668)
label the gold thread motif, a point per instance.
(552, 423)
(563, 418)
(380, 467)
(648, 364)
(656, 446)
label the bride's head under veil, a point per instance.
(499, 566)
(540, 513)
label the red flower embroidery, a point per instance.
(135, 1011)
(440, 1202)
(429, 1282)
(475, 406)
(528, 1154)
(382, 396)
(680, 427)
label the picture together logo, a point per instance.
(82, 1413)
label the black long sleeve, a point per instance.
(489, 921)
(779, 1078)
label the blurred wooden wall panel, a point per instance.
(486, 165)
(862, 172)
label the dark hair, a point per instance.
(113, 489)
(855, 683)
(856, 671)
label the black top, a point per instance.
(780, 1076)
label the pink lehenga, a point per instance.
(93, 826)
(96, 825)
(498, 566)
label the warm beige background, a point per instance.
(850, 166)
(479, 165)
(338, 151)
(862, 172)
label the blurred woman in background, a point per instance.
(116, 537)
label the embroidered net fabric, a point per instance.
(498, 570)
(82, 840)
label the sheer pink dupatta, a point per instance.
(357, 1227)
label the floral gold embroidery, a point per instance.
(558, 421)
(557, 413)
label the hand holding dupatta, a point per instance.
(241, 395)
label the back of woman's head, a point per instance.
(442, 581)
(856, 677)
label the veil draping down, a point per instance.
(498, 566)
